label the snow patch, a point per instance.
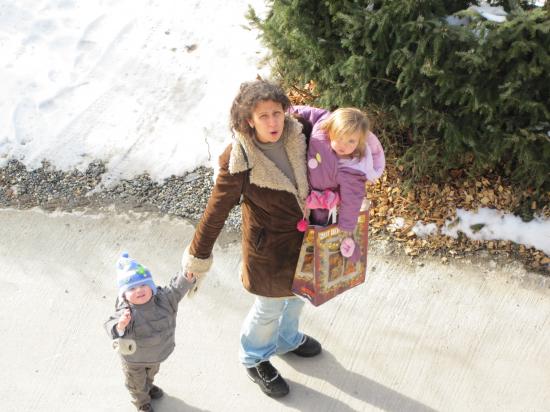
(490, 224)
(424, 230)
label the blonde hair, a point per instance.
(346, 121)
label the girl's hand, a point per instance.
(347, 247)
(124, 321)
(350, 249)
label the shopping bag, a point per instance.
(322, 272)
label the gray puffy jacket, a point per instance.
(153, 324)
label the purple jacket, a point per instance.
(346, 176)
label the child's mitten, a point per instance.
(350, 249)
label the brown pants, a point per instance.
(139, 381)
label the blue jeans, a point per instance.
(270, 328)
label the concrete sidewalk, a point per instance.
(464, 337)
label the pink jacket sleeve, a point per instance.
(311, 114)
(352, 192)
(375, 170)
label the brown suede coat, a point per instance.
(271, 207)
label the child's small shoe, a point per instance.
(155, 392)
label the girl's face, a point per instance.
(268, 120)
(139, 295)
(346, 145)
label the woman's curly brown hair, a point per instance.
(250, 94)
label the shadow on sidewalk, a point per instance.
(306, 399)
(172, 404)
(328, 369)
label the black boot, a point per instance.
(269, 380)
(308, 348)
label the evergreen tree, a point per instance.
(474, 95)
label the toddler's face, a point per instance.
(139, 295)
(346, 145)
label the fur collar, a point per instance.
(263, 172)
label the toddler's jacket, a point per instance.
(153, 324)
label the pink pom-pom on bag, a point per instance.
(302, 225)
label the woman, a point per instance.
(266, 165)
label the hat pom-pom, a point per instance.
(302, 225)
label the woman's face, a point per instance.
(268, 121)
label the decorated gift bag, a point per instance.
(322, 272)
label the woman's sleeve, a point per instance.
(352, 192)
(225, 195)
(378, 158)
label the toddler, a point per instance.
(143, 326)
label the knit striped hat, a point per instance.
(131, 274)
